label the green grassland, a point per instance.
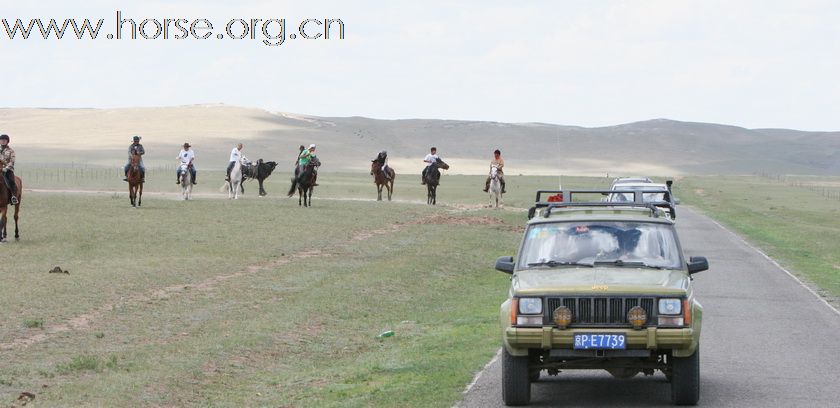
(255, 302)
(796, 220)
(259, 302)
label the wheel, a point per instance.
(516, 384)
(685, 379)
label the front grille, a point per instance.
(600, 311)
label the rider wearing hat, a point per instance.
(304, 158)
(135, 146)
(7, 162)
(186, 156)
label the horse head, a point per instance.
(441, 164)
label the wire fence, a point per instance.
(827, 192)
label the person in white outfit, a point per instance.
(186, 156)
(432, 157)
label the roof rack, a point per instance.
(566, 201)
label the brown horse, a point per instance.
(4, 206)
(135, 181)
(381, 181)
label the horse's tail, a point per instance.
(224, 187)
(292, 189)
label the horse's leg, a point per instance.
(262, 190)
(378, 192)
(3, 224)
(390, 185)
(310, 195)
(17, 209)
(300, 195)
(140, 194)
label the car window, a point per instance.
(650, 244)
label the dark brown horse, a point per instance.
(432, 179)
(4, 207)
(135, 181)
(381, 181)
(305, 183)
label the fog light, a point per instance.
(562, 317)
(671, 321)
(529, 320)
(637, 317)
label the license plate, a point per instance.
(600, 341)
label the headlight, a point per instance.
(530, 306)
(670, 306)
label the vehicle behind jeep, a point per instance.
(600, 285)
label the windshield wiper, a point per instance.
(553, 263)
(635, 264)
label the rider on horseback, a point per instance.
(304, 158)
(499, 162)
(382, 158)
(430, 159)
(186, 156)
(236, 154)
(135, 146)
(7, 162)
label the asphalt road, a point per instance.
(766, 342)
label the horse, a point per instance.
(305, 185)
(186, 181)
(135, 181)
(4, 205)
(258, 171)
(235, 182)
(432, 179)
(495, 189)
(380, 180)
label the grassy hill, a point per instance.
(657, 147)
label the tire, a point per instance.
(516, 382)
(685, 379)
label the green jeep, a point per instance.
(600, 285)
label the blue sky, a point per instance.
(590, 63)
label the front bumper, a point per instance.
(519, 339)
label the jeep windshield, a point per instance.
(600, 243)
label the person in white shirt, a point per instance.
(430, 158)
(235, 154)
(186, 156)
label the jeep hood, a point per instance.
(589, 281)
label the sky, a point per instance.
(756, 64)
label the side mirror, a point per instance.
(676, 201)
(532, 212)
(505, 264)
(697, 264)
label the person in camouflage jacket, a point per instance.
(7, 164)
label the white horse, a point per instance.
(186, 182)
(235, 180)
(495, 188)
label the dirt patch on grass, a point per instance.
(453, 220)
